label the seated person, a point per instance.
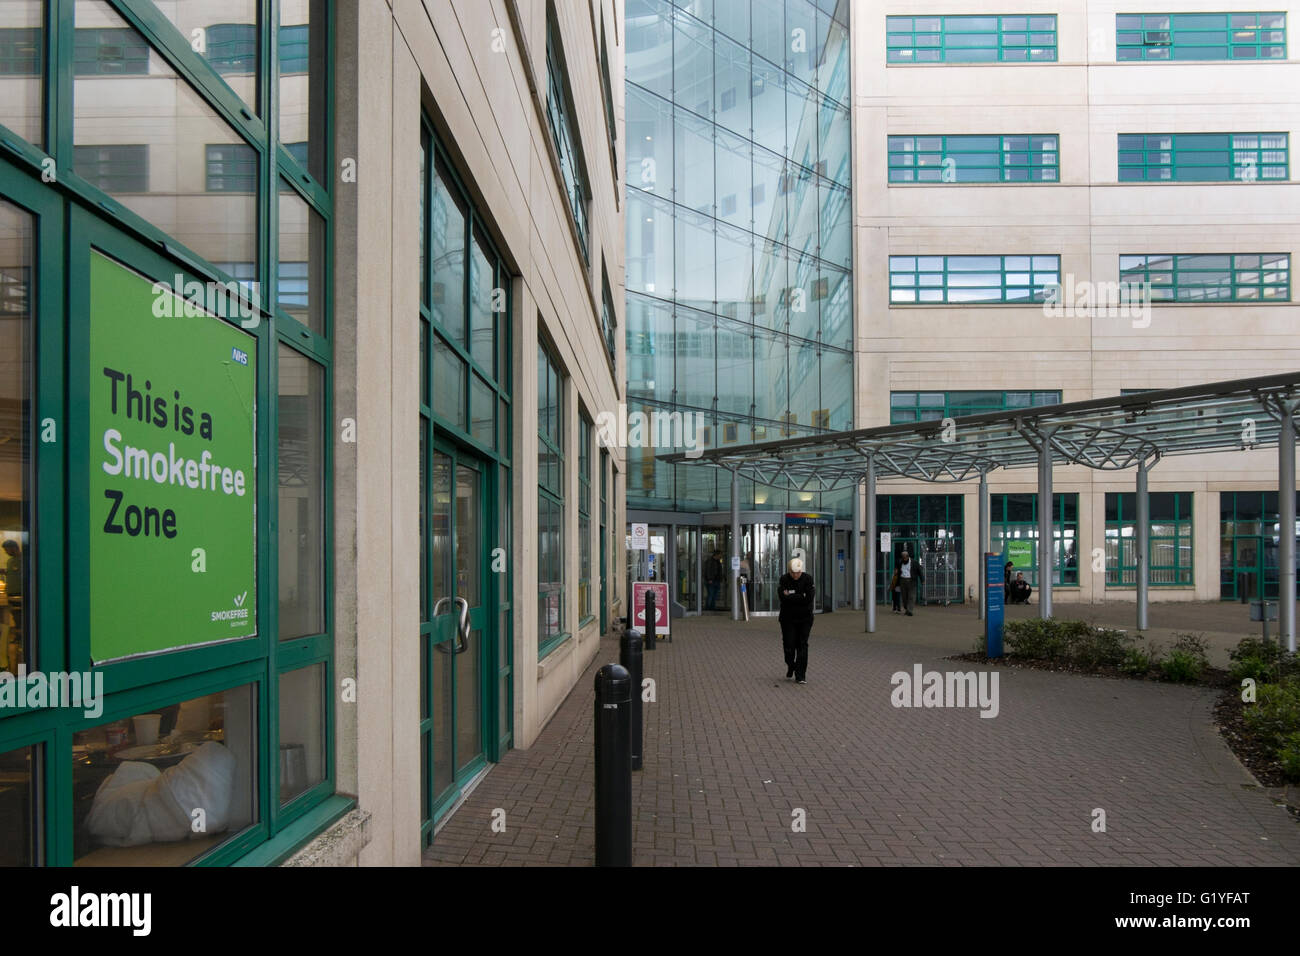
(1020, 589)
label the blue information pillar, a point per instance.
(993, 597)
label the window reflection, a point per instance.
(18, 807)
(22, 58)
(302, 495)
(302, 80)
(223, 32)
(302, 730)
(16, 387)
(161, 787)
(143, 136)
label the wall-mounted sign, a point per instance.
(640, 537)
(886, 539)
(798, 518)
(172, 486)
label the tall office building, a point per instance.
(739, 256)
(1016, 165)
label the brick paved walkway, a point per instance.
(732, 749)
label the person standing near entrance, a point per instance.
(712, 581)
(909, 576)
(795, 589)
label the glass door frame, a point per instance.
(435, 805)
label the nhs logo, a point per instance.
(238, 356)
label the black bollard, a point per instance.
(650, 620)
(613, 766)
(629, 655)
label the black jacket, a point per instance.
(712, 570)
(797, 606)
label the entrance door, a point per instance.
(814, 542)
(460, 641)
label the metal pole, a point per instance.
(1286, 529)
(1045, 539)
(1143, 544)
(856, 563)
(869, 598)
(630, 657)
(613, 740)
(735, 547)
(983, 538)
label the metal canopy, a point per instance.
(1109, 434)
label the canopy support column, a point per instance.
(869, 506)
(1046, 538)
(1286, 527)
(983, 543)
(856, 544)
(1143, 545)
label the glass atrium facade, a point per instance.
(739, 235)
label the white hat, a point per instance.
(796, 565)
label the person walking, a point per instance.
(909, 576)
(894, 592)
(796, 591)
(712, 581)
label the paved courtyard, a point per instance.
(734, 751)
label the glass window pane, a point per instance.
(482, 406)
(448, 384)
(483, 302)
(302, 730)
(138, 782)
(447, 253)
(225, 33)
(22, 63)
(303, 82)
(300, 288)
(301, 541)
(17, 393)
(169, 125)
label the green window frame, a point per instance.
(564, 133)
(1200, 36)
(76, 218)
(972, 280)
(608, 320)
(935, 406)
(1204, 157)
(1016, 38)
(584, 519)
(925, 523)
(1248, 277)
(550, 503)
(1014, 517)
(1249, 529)
(1170, 552)
(974, 159)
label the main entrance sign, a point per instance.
(173, 552)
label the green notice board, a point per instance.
(173, 551)
(1020, 553)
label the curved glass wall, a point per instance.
(739, 242)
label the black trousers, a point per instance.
(794, 638)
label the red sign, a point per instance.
(639, 591)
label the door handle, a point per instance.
(461, 643)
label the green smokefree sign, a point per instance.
(172, 424)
